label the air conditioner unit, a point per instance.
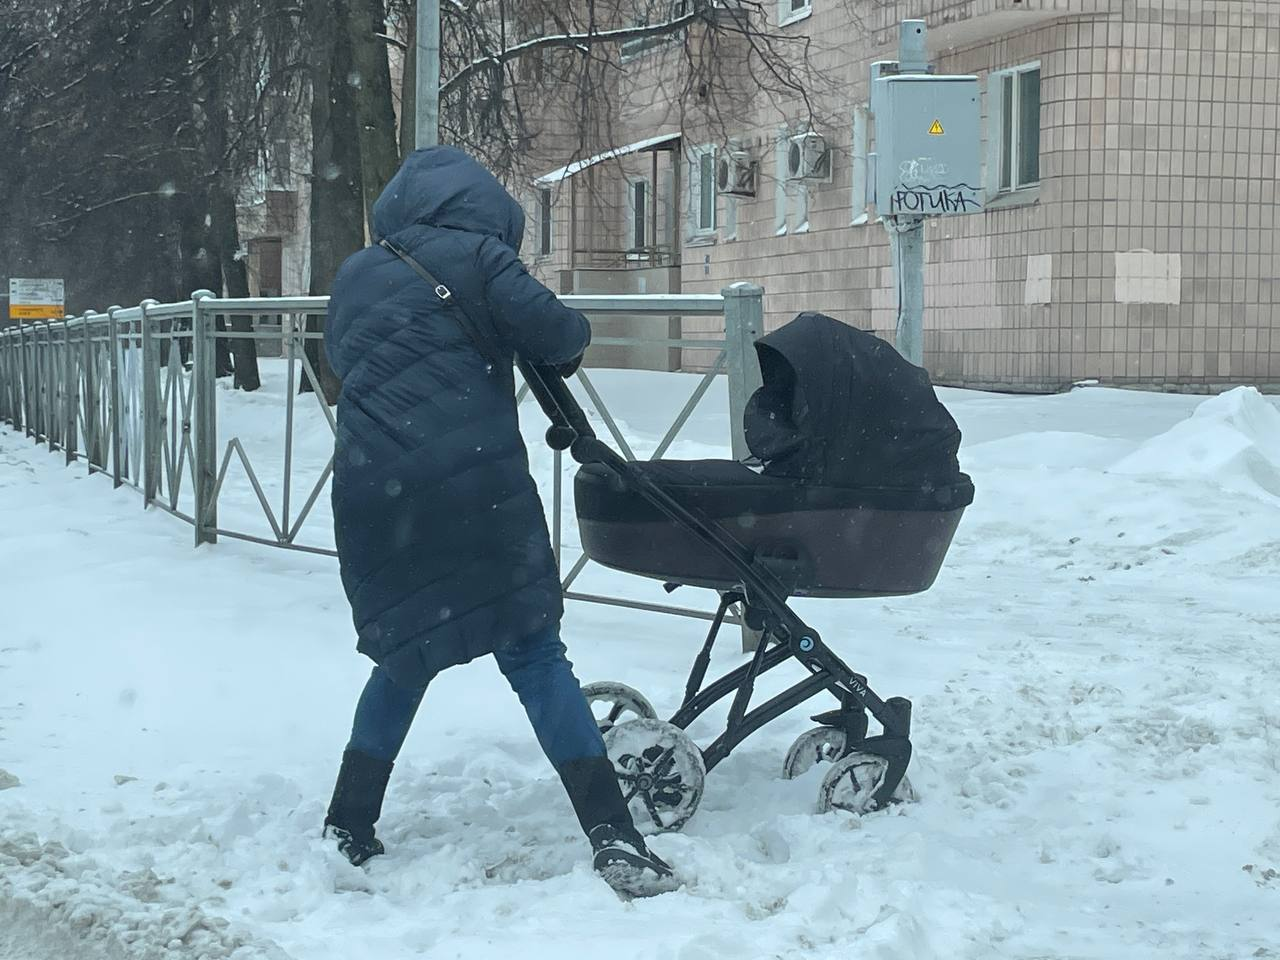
(808, 157)
(736, 174)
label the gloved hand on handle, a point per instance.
(567, 370)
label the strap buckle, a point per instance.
(443, 292)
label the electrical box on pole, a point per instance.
(927, 163)
(928, 145)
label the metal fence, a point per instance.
(133, 393)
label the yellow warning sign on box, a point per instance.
(936, 130)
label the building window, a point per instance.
(707, 183)
(789, 11)
(657, 12)
(638, 214)
(1017, 94)
(702, 189)
(780, 190)
(544, 222)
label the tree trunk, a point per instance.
(236, 277)
(337, 197)
(200, 269)
(379, 153)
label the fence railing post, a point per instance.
(40, 377)
(114, 399)
(92, 438)
(6, 388)
(70, 393)
(24, 379)
(39, 381)
(151, 423)
(743, 325)
(204, 416)
(53, 371)
(6, 377)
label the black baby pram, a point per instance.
(855, 492)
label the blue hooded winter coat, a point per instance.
(442, 540)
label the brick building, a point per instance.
(1130, 157)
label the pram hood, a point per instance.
(841, 407)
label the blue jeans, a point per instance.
(539, 673)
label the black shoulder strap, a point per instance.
(483, 338)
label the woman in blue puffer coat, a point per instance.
(442, 540)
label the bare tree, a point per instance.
(503, 60)
(131, 127)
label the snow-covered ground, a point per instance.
(1096, 724)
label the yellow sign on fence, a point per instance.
(36, 299)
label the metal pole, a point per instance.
(70, 393)
(92, 442)
(11, 377)
(39, 383)
(51, 377)
(426, 126)
(114, 400)
(204, 385)
(6, 377)
(291, 390)
(743, 325)
(151, 422)
(24, 379)
(906, 234)
(40, 377)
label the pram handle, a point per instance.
(571, 430)
(568, 421)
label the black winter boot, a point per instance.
(357, 804)
(619, 853)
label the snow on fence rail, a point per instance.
(115, 391)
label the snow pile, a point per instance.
(1232, 439)
(56, 903)
(1096, 732)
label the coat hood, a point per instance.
(444, 187)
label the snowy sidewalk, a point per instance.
(1096, 726)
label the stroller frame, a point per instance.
(763, 592)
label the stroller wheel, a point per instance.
(819, 745)
(851, 784)
(617, 699)
(660, 770)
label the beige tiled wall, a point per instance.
(1159, 173)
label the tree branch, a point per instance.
(580, 41)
